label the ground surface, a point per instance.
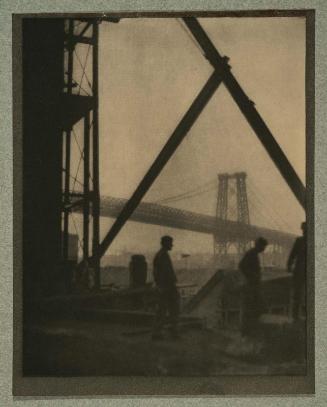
(94, 348)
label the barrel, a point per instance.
(138, 270)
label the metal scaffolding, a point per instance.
(82, 105)
(221, 74)
(81, 137)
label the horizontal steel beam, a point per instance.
(75, 39)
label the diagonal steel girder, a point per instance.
(165, 154)
(248, 109)
(223, 74)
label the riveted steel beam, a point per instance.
(248, 109)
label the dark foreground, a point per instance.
(97, 348)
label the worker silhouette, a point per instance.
(168, 295)
(296, 265)
(253, 305)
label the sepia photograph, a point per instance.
(167, 225)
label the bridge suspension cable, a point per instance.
(270, 213)
(191, 193)
(273, 213)
(259, 209)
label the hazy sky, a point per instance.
(151, 71)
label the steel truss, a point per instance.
(81, 138)
(224, 207)
(90, 194)
(221, 74)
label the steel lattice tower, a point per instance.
(243, 215)
(220, 247)
(224, 209)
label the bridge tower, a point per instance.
(243, 215)
(232, 204)
(220, 246)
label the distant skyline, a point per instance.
(150, 72)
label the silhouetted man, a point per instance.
(297, 266)
(252, 299)
(168, 296)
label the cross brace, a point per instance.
(248, 109)
(223, 74)
(168, 150)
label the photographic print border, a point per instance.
(142, 386)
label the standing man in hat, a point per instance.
(168, 295)
(253, 305)
(297, 266)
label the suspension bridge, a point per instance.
(162, 215)
(224, 230)
(70, 48)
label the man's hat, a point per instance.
(166, 239)
(261, 241)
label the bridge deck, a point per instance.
(225, 230)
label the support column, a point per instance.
(70, 47)
(96, 187)
(66, 194)
(86, 191)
